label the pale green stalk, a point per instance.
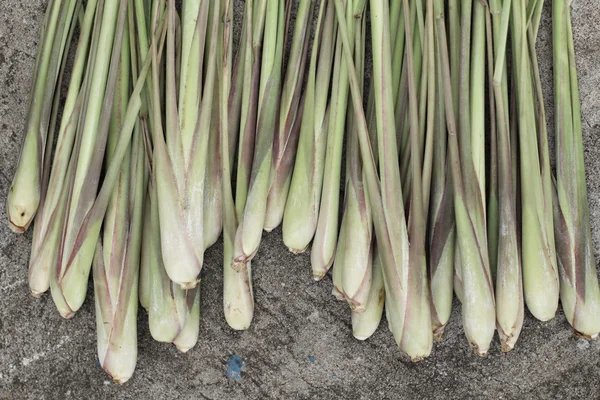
(69, 281)
(477, 96)
(478, 307)
(365, 324)
(388, 213)
(509, 283)
(252, 221)
(238, 298)
(182, 152)
(47, 225)
(213, 203)
(173, 312)
(302, 207)
(356, 265)
(254, 18)
(26, 189)
(142, 21)
(116, 261)
(417, 333)
(442, 225)
(79, 236)
(285, 142)
(540, 272)
(324, 245)
(579, 291)
(403, 122)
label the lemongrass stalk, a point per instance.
(238, 299)
(478, 305)
(509, 284)
(116, 262)
(442, 226)
(25, 191)
(477, 103)
(403, 122)
(302, 208)
(454, 45)
(213, 211)
(417, 309)
(540, 273)
(76, 249)
(55, 107)
(579, 290)
(213, 203)
(173, 312)
(325, 241)
(249, 103)
(182, 153)
(337, 273)
(388, 213)
(252, 221)
(454, 12)
(339, 261)
(142, 9)
(357, 264)
(493, 216)
(47, 225)
(427, 107)
(286, 138)
(397, 34)
(77, 245)
(236, 90)
(365, 324)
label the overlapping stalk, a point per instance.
(48, 225)
(478, 307)
(365, 324)
(181, 155)
(324, 246)
(238, 300)
(441, 223)
(254, 19)
(116, 261)
(27, 189)
(173, 312)
(252, 220)
(403, 122)
(144, 22)
(353, 265)
(303, 205)
(411, 325)
(540, 273)
(285, 142)
(579, 291)
(213, 203)
(509, 284)
(82, 219)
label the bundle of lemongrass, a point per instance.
(167, 139)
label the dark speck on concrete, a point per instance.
(45, 357)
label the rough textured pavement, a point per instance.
(300, 344)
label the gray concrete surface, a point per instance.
(300, 345)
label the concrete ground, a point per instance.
(300, 344)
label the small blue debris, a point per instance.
(234, 367)
(311, 358)
(98, 364)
